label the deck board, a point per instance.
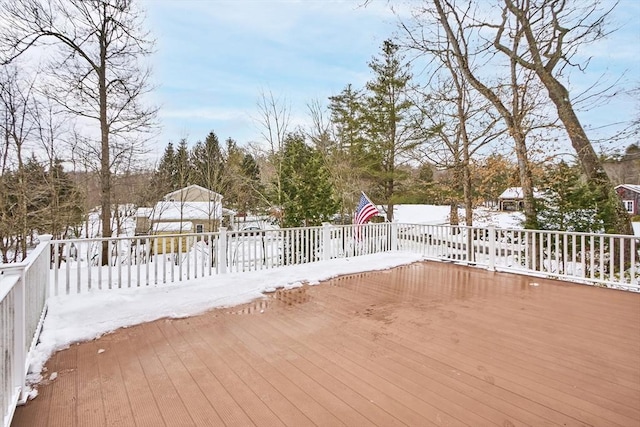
(425, 344)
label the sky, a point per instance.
(214, 59)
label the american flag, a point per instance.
(365, 210)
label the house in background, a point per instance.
(630, 196)
(193, 209)
(512, 199)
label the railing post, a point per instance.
(492, 248)
(46, 238)
(394, 236)
(326, 241)
(19, 329)
(222, 250)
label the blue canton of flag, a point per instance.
(365, 210)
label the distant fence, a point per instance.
(66, 267)
(23, 294)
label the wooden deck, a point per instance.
(426, 344)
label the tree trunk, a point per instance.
(591, 165)
(526, 181)
(105, 166)
(454, 218)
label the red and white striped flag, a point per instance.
(365, 210)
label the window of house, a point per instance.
(199, 228)
(628, 205)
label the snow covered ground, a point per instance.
(482, 217)
(439, 215)
(75, 318)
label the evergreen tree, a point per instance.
(164, 176)
(64, 204)
(307, 192)
(347, 110)
(234, 181)
(208, 164)
(249, 198)
(182, 175)
(347, 158)
(569, 204)
(389, 123)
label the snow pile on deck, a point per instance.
(83, 317)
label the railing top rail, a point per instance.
(272, 231)
(102, 239)
(521, 230)
(14, 265)
(45, 239)
(7, 282)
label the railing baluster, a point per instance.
(78, 268)
(180, 257)
(147, 258)
(56, 264)
(173, 259)
(128, 244)
(622, 247)
(602, 240)
(88, 255)
(109, 258)
(592, 253)
(99, 264)
(612, 258)
(633, 265)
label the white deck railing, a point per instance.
(597, 259)
(153, 260)
(23, 295)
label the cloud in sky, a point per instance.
(214, 58)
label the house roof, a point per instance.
(633, 187)
(172, 211)
(193, 187)
(172, 226)
(516, 193)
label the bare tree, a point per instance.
(552, 31)
(16, 124)
(464, 123)
(274, 120)
(452, 32)
(96, 73)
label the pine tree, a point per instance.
(164, 176)
(182, 174)
(208, 164)
(347, 158)
(65, 204)
(347, 110)
(306, 188)
(569, 203)
(388, 122)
